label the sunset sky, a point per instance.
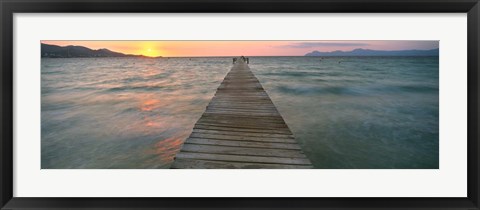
(247, 48)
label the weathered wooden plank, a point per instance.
(243, 158)
(245, 99)
(235, 150)
(241, 102)
(242, 138)
(253, 110)
(244, 124)
(252, 117)
(242, 108)
(202, 164)
(255, 144)
(229, 104)
(264, 127)
(241, 86)
(246, 118)
(249, 130)
(240, 133)
(241, 113)
(241, 121)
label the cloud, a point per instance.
(323, 44)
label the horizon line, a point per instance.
(284, 55)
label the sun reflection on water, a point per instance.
(150, 104)
(122, 113)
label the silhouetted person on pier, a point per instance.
(234, 60)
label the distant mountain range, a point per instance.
(54, 51)
(367, 52)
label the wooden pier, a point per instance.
(241, 128)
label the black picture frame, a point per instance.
(10, 7)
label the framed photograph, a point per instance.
(239, 105)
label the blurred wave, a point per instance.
(122, 112)
(358, 112)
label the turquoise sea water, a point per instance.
(346, 112)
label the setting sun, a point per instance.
(150, 52)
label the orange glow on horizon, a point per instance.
(237, 48)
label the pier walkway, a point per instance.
(241, 128)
